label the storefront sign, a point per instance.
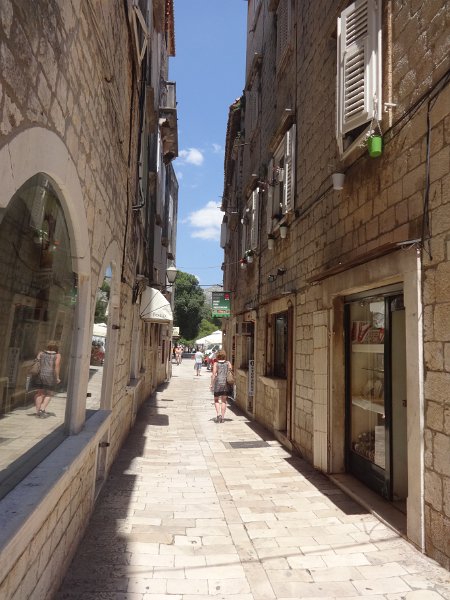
(251, 377)
(221, 304)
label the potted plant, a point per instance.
(243, 263)
(373, 140)
(249, 256)
(270, 242)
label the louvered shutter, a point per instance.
(270, 191)
(282, 28)
(254, 220)
(289, 171)
(223, 234)
(359, 60)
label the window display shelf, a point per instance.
(368, 348)
(366, 404)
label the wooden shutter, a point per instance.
(270, 192)
(359, 60)
(254, 220)
(223, 234)
(289, 171)
(283, 15)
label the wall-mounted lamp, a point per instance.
(338, 180)
(283, 231)
(270, 242)
(273, 277)
(171, 272)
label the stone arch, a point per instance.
(39, 150)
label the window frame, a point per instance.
(282, 178)
(365, 45)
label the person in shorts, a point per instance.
(198, 362)
(48, 379)
(219, 385)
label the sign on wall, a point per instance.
(221, 304)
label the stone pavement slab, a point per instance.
(184, 515)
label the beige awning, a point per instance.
(154, 307)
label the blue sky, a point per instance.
(209, 71)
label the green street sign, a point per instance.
(221, 304)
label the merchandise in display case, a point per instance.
(367, 380)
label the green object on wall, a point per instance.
(375, 146)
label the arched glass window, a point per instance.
(38, 292)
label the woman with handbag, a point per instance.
(45, 377)
(221, 380)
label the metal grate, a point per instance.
(260, 444)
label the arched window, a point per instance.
(38, 291)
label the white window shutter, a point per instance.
(270, 190)
(359, 64)
(289, 171)
(255, 220)
(223, 235)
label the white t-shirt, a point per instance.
(198, 357)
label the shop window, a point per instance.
(38, 291)
(376, 392)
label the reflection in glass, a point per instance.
(38, 294)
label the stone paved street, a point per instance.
(186, 516)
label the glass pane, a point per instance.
(280, 349)
(37, 302)
(367, 380)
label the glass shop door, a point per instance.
(376, 393)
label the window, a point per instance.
(252, 109)
(280, 345)
(250, 222)
(281, 177)
(247, 338)
(284, 28)
(38, 292)
(358, 69)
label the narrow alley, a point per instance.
(193, 509)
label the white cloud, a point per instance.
(192, 156)
(217, 148)
(206, 222)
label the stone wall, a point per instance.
(436, 299)
(65, 65)
(382, 203)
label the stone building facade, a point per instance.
(341, 315)
(88, 207)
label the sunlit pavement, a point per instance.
(186, 515)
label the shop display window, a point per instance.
(367, 379)
(38, 292)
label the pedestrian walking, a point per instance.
(221, 372)
(45, 377)
(198, 361)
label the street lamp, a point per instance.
(171, 273)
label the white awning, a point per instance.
(154, 307)
(99, 330)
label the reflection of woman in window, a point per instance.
(48, 378)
